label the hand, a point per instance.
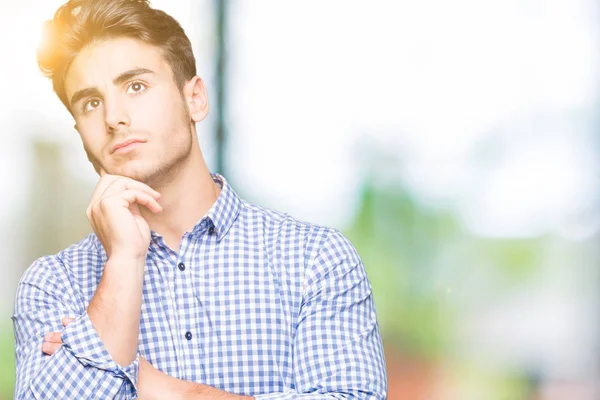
(53, 340)
(115, 215)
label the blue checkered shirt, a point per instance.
(254, 302)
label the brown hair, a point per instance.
(80, 22)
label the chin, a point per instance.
(140, 176)
(135, 171)
(143, 170)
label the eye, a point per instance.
(91, 105)
(136, 87)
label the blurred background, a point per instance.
(455, 143)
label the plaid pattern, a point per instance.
(255, 303)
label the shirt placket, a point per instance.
(188, 310)
(169, 297)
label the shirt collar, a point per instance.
(225, 210)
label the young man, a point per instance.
(184, 291)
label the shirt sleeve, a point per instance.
(338, 351)
(81, 368)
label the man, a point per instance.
(184, 291)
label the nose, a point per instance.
(116, 115)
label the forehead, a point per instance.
(101, 62)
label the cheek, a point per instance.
(159, 114)
(93, 136)
(93, 150)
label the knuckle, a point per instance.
(103, 204)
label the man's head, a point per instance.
(125, 71)
(79, 23)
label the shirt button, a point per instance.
(211, 230)
(188, 335)
(181, 266)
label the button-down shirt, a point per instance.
(253, 302)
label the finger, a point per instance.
(67, 320)
(105, 181)
(143, 199)
(50, 348)
(129, 197)
(53, 337)
(122, 183)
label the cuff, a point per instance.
(81, 339)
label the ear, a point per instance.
(196, 98)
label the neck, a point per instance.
(186, 196)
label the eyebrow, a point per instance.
(124, 77)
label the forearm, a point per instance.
(115, 308)
(154, 385)
(184, 390)
(197, 391)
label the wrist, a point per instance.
(123, 261)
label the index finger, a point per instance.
(108, 187)
(105, 181)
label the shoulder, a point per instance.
(284, 228)
(316, 243)
(51, 277)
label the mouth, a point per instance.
(126, 146)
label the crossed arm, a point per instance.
(72, 361)
(152, 383)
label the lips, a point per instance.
(125, 143)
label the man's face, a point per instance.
(131, 115)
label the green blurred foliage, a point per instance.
(7, 361)
(517, 259)
(424, 267)
(397, 239)
(408, 248)
(468, 379)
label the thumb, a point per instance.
(67, 320)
